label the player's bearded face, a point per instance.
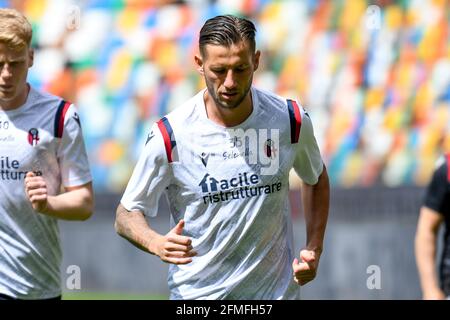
(14, 66)
(228, 73)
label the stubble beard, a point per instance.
(220, 104)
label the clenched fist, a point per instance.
(36, 191)
(306, 269)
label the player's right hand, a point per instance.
(36, 190)
(176, 248)
(306, 269)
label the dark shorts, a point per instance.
(445, 276)
(445, 285)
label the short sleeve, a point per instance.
(437, 190)
(151, 176)
(72, 156)
(308, 162)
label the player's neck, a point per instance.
(228, 117)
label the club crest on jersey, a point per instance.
(270, 149)
(33, 136)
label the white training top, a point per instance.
(43, 135)
(230, 185)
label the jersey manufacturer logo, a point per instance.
(205, 156)
(33, 136)
(149, 137)
(76, 117)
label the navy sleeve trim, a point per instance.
(295, 120)
(59, 118)
(168, 137)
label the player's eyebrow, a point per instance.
(17, 59)
(13, 59)
(220, 66)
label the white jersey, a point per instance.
(230, 185)
(44, 136)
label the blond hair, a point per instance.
(15, 30)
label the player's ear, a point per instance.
(30, 57)
(256, 60)
(199, 62)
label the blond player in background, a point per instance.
(41, 150)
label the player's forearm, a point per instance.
(132, 226)
(316, 202)
(425, 246)
(71, 205)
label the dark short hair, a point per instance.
(226, 30)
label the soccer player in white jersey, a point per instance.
(41, 150)
(223, 161)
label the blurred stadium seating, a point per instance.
(375, 79)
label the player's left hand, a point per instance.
(305, 271)
(36, 190)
